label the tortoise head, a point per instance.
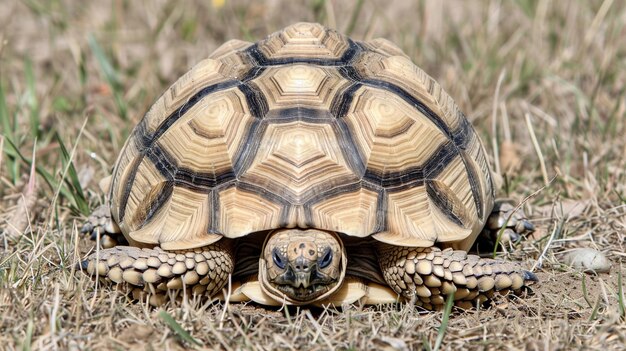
(300, 266)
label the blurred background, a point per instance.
(560, 62)
(543, 82)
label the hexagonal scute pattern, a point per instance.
(400, 71)
(244, 211)
(386, 125)
(306, 128)
(299, 85)
(298, 160)
(307, 40)
(352, 213)
(216, 123)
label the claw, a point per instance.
(82, 265)
(87, 228)
(517, 225)
(514, 236)
(530, 276)
(529, 226)
(100, 221)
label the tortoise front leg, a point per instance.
(204, 270)
(427, 275)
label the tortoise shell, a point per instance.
(306, 129)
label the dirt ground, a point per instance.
(543, 82)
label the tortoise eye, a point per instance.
(278, 258)
(326, 259)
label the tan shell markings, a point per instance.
(282, 134)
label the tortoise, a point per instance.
(306, 168)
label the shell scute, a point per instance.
(306, 128)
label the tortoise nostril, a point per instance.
(301, 264)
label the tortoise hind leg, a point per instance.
(204, 271)
(427, 275)
(100, 223)
(513, 223)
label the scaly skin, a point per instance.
(422, 275)
(426, 275)
(203, 270)
(100, 223)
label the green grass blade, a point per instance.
(31, 99)
(5, 121)
(319, 13)
(14, 152)
(499, 239)
(596, 309)
(354, 17)
(6, 126)
(182, 333)
(444, 322)
(620, 294)
(105, 65)
(425, 344)
(585, 294)
(28, 338)
(110, 75)
(72, 182)
(83, 76)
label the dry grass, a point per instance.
(543, 82)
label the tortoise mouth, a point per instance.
(301, 266)
(304, 286)
(304, 294)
